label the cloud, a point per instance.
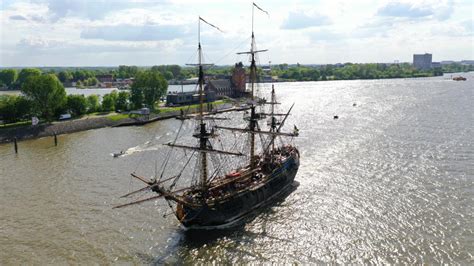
(44, 45)
(17, 17)
(428, 9)
(376, 27)
(37, 43)
(92, 9)
(301, 20)
(98, 32)
(124, 32)
(37, 51)
(468, 25)
(326, 35)
(407, 10)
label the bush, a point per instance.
(122, 101)
(76, 104)
(93, 103)
(14, 108)
(108, 102)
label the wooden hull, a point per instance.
(226, 212)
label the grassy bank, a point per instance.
(16, 124)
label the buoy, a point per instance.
(354, 104)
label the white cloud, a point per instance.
(409, 10)
(144, 32)
(304, 19)
(123, 32)
(18, 17)
(440, 10)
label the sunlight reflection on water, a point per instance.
(390, 181)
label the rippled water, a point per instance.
(390, 181)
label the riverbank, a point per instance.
(88, 123)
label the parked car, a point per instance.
(65, 117)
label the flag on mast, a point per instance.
(260, 8)
(211, 24)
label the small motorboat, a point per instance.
(118, 154)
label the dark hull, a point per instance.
(225, 213)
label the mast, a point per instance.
(272, 115)
(203, 135)
(253, 120)
(253, 66)
(253, 74)
(203, 132)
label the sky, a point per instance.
(156, 32)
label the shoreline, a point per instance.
(273, 81)
(72, 126)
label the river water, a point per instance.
(390, 181)
(103, 91)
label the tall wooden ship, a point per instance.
(221, 196)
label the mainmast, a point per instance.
(253, 77)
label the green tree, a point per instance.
(114, 95)
(76, 104)
(108, 102)
(46, 92)
(175, 69)
(65, 76)
(93, 81)
(25, 73)
(122, 101)
(127, 71)
(82, 74)
(93, 103)
(136, 97)
(168, 75)
(8, 76)
(79, 84)
(151, 85)
(7, 108)
(14, 108)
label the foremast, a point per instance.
(203, 135)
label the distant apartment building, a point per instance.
(422, 61)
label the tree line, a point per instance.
(13, 79)
(349, 71)
(43, 95)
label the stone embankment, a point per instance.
(71, 126)
(44, 130)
